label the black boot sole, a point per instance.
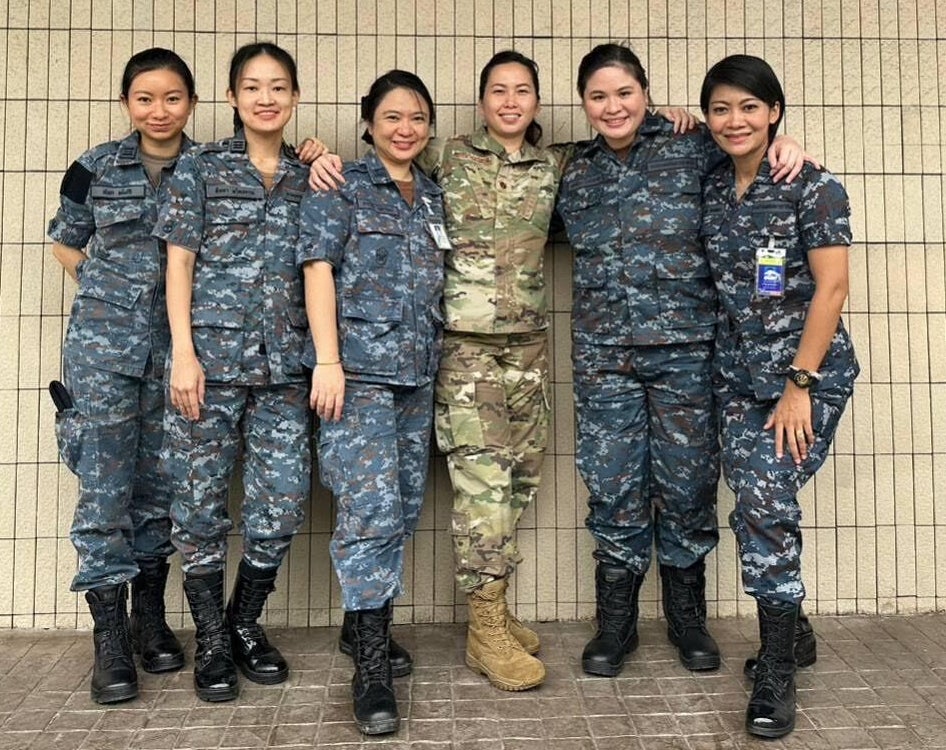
(218, 695)
(397, 669)
(705, 663)
(771, 734)
(388, 726)
(264, 678)
(115, 694)
(170, 663)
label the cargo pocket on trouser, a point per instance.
(71, 433)
(456, 417)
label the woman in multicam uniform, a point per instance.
(238, 329)
(785, 367)
(113, 363)
(372, 255)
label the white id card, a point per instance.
(439, 233)
(770, 270)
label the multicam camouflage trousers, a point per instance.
(767, 517)
(111, 440)
(375, 460)
(492, 414)
(648, 451)
(199, 459)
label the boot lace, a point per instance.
(687, 609)
(371, 642)
(615, 607)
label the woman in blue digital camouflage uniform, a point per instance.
(372, 255)
(113, 363)
(238, 328)
(784, 367)
(643, 322)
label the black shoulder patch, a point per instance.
(75, 183)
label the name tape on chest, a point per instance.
(247, 192)
(118, 192)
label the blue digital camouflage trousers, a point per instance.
(767, 518)
(111, 440)
(374, 461)
(648, 451)
(199, 459)
(492, 417)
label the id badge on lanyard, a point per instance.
(770, 270)
(436, 228)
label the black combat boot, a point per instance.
(372, 690)
(215, 674)
(256, 657)
(151, 637)
(771, 710)
(684, 599)
(401, 661)
(616, 591)
(114, 678)
(806, 648)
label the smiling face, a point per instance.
(740, 122)
(400, 128)
(159, 106)
(509, 104)
(264, 97)
(615, 104)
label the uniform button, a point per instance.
(382, 255)
(502, 184)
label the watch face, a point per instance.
(801, 378)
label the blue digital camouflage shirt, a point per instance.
(759, 335)
(388, 270)
(247, 310)
(640, 273)
(108, 207)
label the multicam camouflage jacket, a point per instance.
(761, 333)
(499, 207)
(247, 310)
(640, 274)
(108, 207)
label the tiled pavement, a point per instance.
(880, 682)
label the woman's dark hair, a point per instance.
(504, 57)
(752, 74)
(611, 55)
(156, 58)
(384, 85)
(246, 53)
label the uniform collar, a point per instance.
(129, 148)
(378, 174)
(483, 141)
(651, 126)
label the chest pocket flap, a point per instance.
(376, 220)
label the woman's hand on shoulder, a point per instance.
(310, 150)
(683, 120)
(325, 173)
(787, 157)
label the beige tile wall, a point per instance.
(865, 83)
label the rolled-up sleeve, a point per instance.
(325, 222)
(74, 224)
(181, 211)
